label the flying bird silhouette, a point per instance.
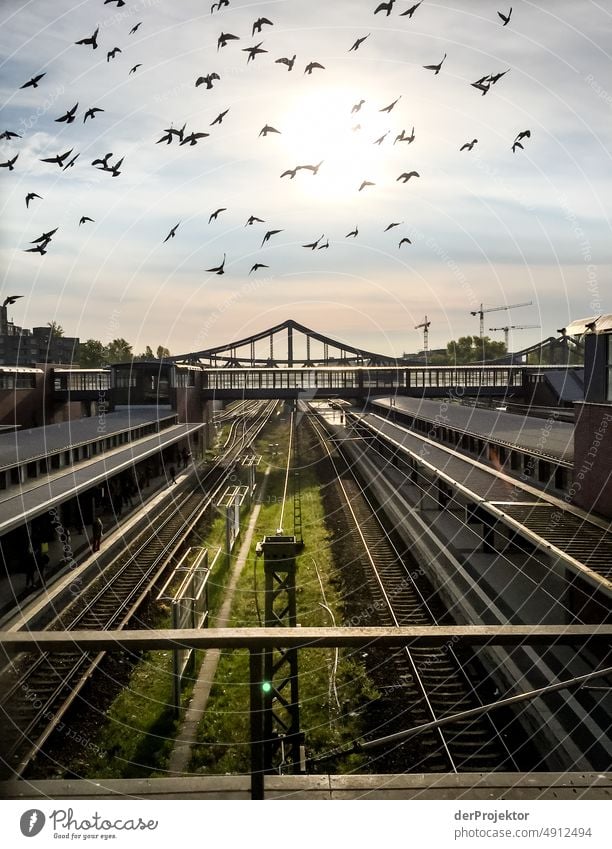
(253, 51)
(358, 43)
(288, 62)
(209, 79)
(483, 84)
(385, 7)
(291, 172)
(102, 162)
(525, 134)
(115, 168)
(92, 39)
(40, 249)
(393, 224)
(135, 27)
(391, 105)
(34, 81)
(495, 77)
(258, 265)
(219, 5)
(71, 162)
(382, 138)
(59, 159)
(403, 137)
(322, 247)
(118, 2)
(219, 269)
(225, 37)
(9, 134)
(407, 175)
(91, 113)
(214, 215)
(410, 12)
(268, 129)
(313, 168)
(135, 68)
(30, 196)
(435, 68)
(192, 138)
(314, 245)
(404, 241)
(69, 116)
(357, 107)
(112, 53)
(11, 300)
(364, 184)
(354, 233)
(259, 23)
(468, 145)
(172, 233)
(85, 218)
(252, 219)
(46, 237)
(505, 18)
(219, 118)
(269, 235)
(10, 163)
(170, 132)
(311, 66)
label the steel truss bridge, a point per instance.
(297, 362)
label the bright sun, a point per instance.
(320, 126)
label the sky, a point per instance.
(486, 225)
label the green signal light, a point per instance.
(266, 687)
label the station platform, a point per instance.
(31, 500)
(546, 436)
(434, 786)
(570, 537)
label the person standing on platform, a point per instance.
(172, 471)
(97, 529)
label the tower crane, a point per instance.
(510, 327)
(481, 312)
(425, 325)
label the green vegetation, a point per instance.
(93, 354)
(224, 731)
(136, 735)
(469, 349)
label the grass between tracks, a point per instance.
(223, 735)
(137, 733)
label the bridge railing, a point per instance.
(364, 378)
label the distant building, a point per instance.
(22, 347)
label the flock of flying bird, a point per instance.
(66, 160)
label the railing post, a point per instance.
(256, 709)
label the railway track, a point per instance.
(37, 692)
(578, 721)
(429, 682)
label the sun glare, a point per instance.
(322, 127)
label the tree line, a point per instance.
(94, 354)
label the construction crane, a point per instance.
(425, 325)
(481, 312)
(510, 327)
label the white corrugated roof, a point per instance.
(601, 324)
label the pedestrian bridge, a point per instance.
(359, 382)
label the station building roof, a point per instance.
(546, 436)
(24, 446)
(27, 502)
